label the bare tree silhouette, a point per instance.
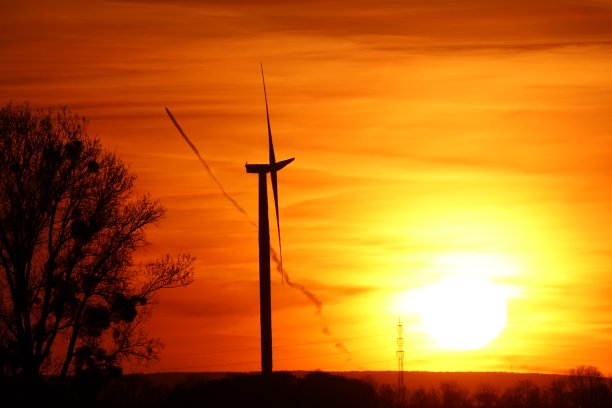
(587, 387)
(486, 396)
(525, 394)
(71, 299)
(452, 395)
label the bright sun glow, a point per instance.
(461, 309)
(462, 313)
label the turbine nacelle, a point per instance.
(268, 168)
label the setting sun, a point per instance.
(461, 304)
(462, 313)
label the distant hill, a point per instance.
(469, 380)
(412, 379)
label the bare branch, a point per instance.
(167, 273)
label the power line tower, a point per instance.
(400, 363)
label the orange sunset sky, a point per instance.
(432, 139)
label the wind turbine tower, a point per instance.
(265, 302)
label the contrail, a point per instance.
(314, 299)
(279, 267)
(311, 296)
(207, 167)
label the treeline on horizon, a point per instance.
(581, 387)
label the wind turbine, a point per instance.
(272, 167)
(265, 303)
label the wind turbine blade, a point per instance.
(273, 178)
(273, 172)
(270, 144)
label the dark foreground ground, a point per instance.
(583, 387)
